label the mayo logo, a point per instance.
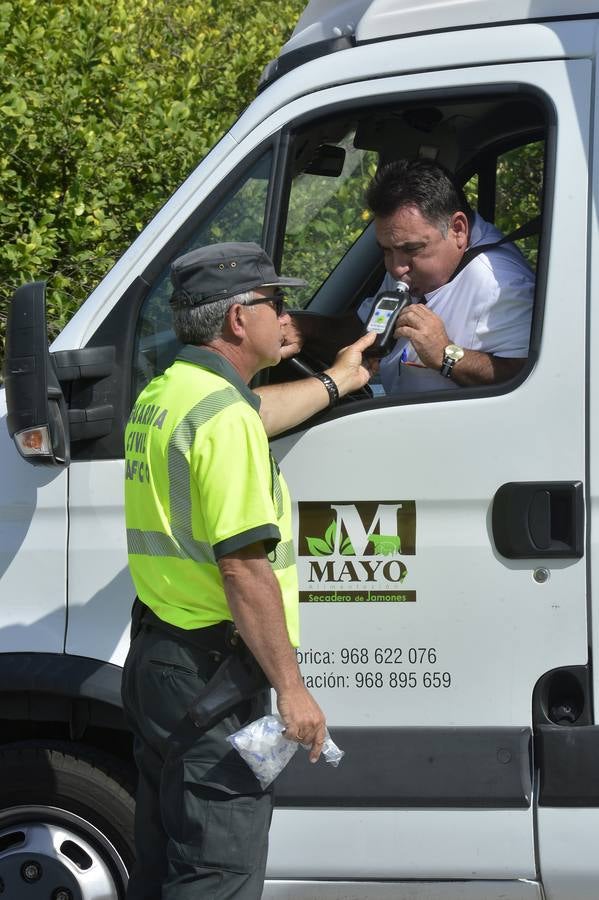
(345, 545)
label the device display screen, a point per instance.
(383, 312)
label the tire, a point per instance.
(66, 823)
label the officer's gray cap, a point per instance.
(220, 271)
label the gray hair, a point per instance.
(204, 323)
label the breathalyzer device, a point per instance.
(387, 307)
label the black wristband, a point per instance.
(330, 386)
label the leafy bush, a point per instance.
(519, 192)
(107, 105)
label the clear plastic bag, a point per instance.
(266, 751)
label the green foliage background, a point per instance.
(107, 105)
(519, 193)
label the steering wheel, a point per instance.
(309, 366)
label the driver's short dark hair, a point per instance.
(420, 183)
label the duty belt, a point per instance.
(221, 638)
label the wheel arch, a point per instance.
(75, 698)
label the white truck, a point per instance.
(446, 541)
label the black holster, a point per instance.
(238, 678)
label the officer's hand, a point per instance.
(349, 371)
(303, 719)
(426, 331)
(293, 337)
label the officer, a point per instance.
(211, 556)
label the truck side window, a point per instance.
(495, 148)
(238, 217)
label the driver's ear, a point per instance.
(460, 229)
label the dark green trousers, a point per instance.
(201, 820)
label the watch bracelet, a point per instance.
(330, 385)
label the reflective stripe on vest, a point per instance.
(182, 544)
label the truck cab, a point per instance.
(445, 539)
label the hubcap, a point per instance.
(54, 854)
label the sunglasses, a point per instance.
(276, 300)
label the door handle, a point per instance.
(539, 519)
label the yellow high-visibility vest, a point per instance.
(200, 482)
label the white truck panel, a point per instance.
(100, 588)
(568, 852)
(414, 844)
(33, 551)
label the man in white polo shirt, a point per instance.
(469, 319)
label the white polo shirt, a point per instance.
(486, 307)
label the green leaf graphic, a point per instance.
(347, 548)
(403, 575)
(385, 544)
(330, 535)
(318, 547)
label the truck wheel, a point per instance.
(66, 823)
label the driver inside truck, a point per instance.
(471, 290)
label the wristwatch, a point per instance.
(451, 355)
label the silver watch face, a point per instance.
(452, 351)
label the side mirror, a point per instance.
(37, 417)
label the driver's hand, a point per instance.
(293, 337)
(426, 331)
(349, 371)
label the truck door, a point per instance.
(418, 629)
(423, 633)
(422, 637)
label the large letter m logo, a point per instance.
(380, 537)
(361, 528)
